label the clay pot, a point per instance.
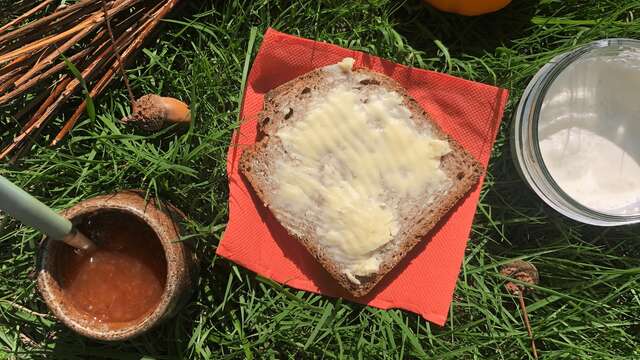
(181, 266)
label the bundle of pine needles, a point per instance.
(54, 49)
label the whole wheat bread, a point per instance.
(289, 103)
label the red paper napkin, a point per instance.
(424, 281)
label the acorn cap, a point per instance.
(148, 114)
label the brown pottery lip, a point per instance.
(181, 267)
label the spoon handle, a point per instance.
(30, 211)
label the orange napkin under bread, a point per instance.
(424, 281)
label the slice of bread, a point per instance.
(376, 243)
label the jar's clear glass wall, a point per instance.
(575, 129)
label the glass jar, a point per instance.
(527, 123)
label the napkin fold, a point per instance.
(424, 281)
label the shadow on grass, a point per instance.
(422, 25)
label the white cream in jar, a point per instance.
(589, 131)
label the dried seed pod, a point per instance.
(527, 273)
(151, 112)
(520, 270)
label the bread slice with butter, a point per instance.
(354, 169)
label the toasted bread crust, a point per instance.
(458, 165)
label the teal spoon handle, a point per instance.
(30, 211)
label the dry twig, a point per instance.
(26, 310)
(24, 16)
(116, 51)
(31, 50)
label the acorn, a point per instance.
(151, 112)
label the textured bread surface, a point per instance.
(288, 104)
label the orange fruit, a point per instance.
(469, 7)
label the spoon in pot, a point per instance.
(30, 211)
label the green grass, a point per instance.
(587, 304)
